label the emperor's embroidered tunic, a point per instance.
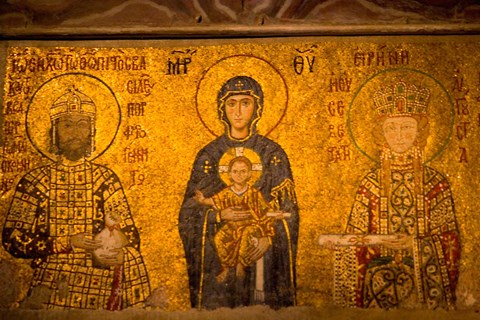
(51, 204)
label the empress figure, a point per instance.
(410, 256)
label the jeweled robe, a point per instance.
(425, 274)
(51, 204)
(232, 240)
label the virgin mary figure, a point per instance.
(271, 279)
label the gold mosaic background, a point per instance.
(306, 112)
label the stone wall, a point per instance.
(170, 18)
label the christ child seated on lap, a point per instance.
(238, 237)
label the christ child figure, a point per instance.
(248, 219)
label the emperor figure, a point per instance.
(72, 219)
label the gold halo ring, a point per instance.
(273, 85)
(361, 113)
(108, 114)
(237, 152)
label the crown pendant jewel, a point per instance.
(73, 101)
(401, 99)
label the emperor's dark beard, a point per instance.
(75, 149)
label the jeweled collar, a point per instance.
(404, 160)
(64, 163)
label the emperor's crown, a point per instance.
(73, 101)
(401, 99)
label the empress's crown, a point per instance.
(401, 99)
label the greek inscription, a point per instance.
(179, 66)
(299, 63)
(339, 153)
(381, 57)
(458, 82)
(135, 155)
(18, 86)
(305, 58)
(6, 184)
(336, 131)
(187, 51)
(136, 109)
(135, 132)
(309, 49)
(13, 107)
(461, 106)
(15, 165)
(340, 84)
(401, 57)
(461, 102)
(15, 146)
(141, 85)
(137, 178)
(462, 130)
(68, 62)
(462, 109)
(463, 155)
(336, 108)
(12, 127)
